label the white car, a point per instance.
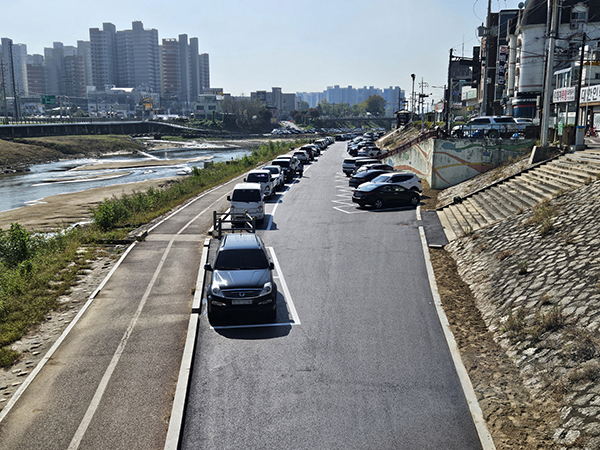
(407, 180)
(491, 126)
(302, 156)
(277, 175)
(264, 178)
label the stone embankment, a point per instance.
(536, 280)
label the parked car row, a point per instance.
(378, 184)
(259, 184)
(364, 145)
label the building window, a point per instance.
(579, 14)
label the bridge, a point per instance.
(387, 122)
(89, 127)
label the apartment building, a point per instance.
(103, 47)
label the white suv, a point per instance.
(407, 180)
(490, 126)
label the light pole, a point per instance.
(412, 98)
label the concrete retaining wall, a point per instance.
(446, 162)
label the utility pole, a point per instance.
(448, 96)
(484, 96)
(549, 70)
(578, 92)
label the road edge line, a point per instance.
(183, 380)
(485, 438)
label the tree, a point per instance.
(375, 105)
(249, 115)
(304, 105)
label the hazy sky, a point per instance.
(303, 45)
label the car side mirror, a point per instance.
(208, 267)
(229, 198)
(271, 266)
(244, 180)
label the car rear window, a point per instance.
(257, 178)
(281, 163)
(241, 259)
(246, 195)
(505, 120)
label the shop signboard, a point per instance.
(502, 52)
(590, 94)
(563, 95)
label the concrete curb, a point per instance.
(185, 370)
(484, 435)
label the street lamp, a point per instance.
(412, 98)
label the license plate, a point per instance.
(241, 302)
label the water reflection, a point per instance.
(63, 177)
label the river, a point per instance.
(77, 175)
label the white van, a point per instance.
(246, 198)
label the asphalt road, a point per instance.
(357, 358)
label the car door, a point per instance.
(387, 194)
(399, 195)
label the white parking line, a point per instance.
(295, 320)
(286, 292)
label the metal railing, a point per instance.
(247, 224)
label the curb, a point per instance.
(178, 410)
(485, 438)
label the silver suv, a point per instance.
(242, 278)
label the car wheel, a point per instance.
(378, 204)
(414, 200)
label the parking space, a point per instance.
(343, 198)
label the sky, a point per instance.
(301, 46)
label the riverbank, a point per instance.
(20, 154)
(65, 210)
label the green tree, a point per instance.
(304, 106)
(248, 115)
(375, 105)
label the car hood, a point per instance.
(233, 279)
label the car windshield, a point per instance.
(246, 195)
(241, 259)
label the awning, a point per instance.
(561, 71)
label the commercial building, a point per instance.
(279, 103)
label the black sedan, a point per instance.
(363, 177)
(378, 195)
